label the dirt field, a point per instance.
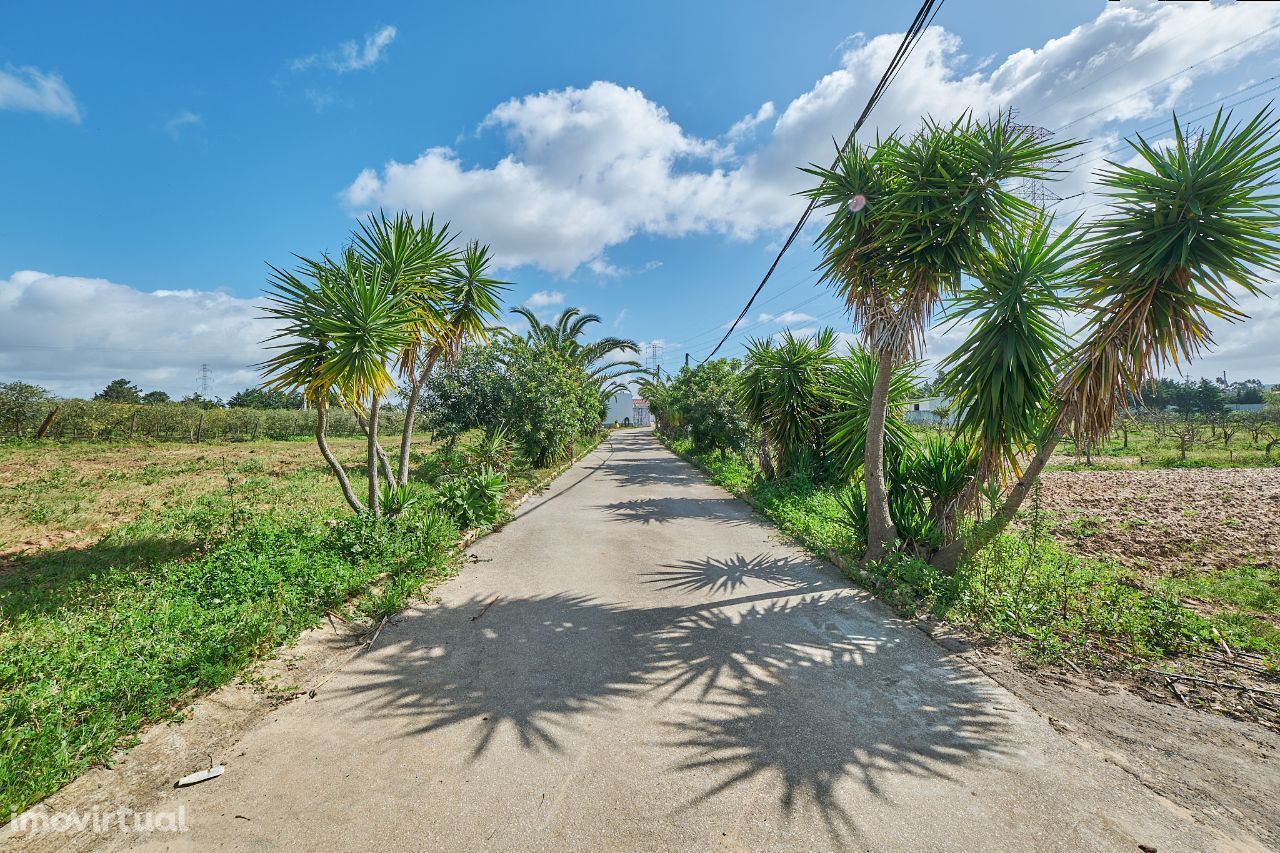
(1162, 521)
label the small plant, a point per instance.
(492, 450)
(473, 500)
(396, 499)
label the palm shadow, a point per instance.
(794, 692)
(727, 576)
(813, 691)
(668, 509)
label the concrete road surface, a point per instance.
(639, 663)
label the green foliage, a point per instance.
(1001, 379)
(119, 391)
(466, 393)
(23, 407)
(548, 401)
(473, 499)
(849, 395)
(705, 402)
(783, 392)
(262, 398)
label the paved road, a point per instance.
(638, 663)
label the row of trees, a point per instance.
(402, 310)
(928, 226)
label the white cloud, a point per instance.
(617, 321)
(350, 55)
(322, 99)
(73, 335)
(31, 90)
(744, 126)
(603, 268)
(589, 168)
(786, 318)
(180, 122)
(544, 299)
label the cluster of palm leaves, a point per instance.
(398, 299)
(1189, 228)
(599, 359)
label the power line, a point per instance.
(928, 10)
(1167, 79)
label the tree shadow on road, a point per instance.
(812, 693)
(728, 576)
(664, 510)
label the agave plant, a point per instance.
(783, 387)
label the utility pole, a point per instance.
(686, 359)
(204, 381)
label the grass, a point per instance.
(1050, 604)
(228, 553)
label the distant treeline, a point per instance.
(28, 411)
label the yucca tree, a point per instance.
(783, 387)
(341, 324)
(468, 302)
(908, 216)
(1001, 380)
(1186, 232)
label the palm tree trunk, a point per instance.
(411, 409)
(948, 559)
(766, 460)
(374, 458)
(881, 532)
(322, 426)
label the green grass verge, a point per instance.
(1050, 604)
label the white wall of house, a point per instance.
(619, 409)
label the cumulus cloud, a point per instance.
(590, 168)
(180, 122)
(73, 335)
(787, 318)
(544, 299)
(31, 90)
(350, 55)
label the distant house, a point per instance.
(620, 408)
(640, 412)
(926, 411)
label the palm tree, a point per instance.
(341, 323)
(908, 217)
(564, 337)
(782, 391)
(1193, 221)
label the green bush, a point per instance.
(473, 499)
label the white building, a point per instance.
(640, 412)
(620, 409)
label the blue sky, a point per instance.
(637, 160)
